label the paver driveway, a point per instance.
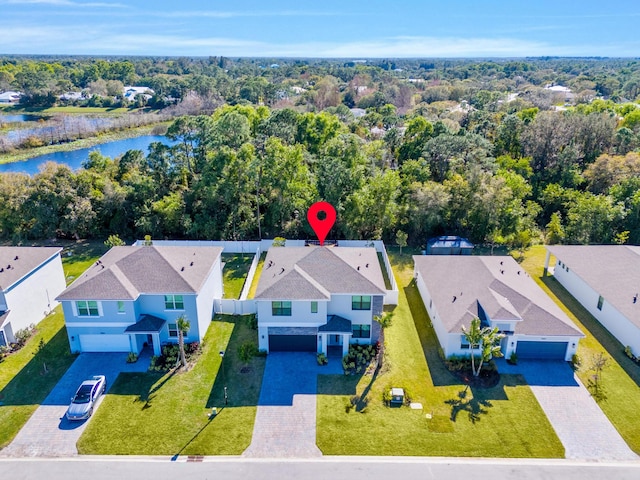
(48, 433)
(285, 423)
(582, 427)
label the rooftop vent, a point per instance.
(8, 267)
(182, 269)
(635, 298)
(366, 266)
(502, 272)
(191, 264)
(358, 268)
(16, 257)
(281, 271)
(454, 299)
(1, 270)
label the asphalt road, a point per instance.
(347, 468)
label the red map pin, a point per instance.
(321, 227)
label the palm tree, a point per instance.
(487, 339)
(183, 327)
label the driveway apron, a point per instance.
(285, 424)
(48, 433)
(582, 427)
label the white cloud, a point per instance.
(102, 40)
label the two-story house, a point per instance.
(133, 295)
(30, 280)
(312, 298)
(497, 290)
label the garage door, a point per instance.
(547, 350)
(104, 343)
(292, 343)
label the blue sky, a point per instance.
(327, 28)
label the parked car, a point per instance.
(86, 396)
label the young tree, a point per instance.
(487, 339)
(114, 241)
(183, 326)
(401, 239)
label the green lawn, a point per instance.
(256, 277)
(83, 254)
(236, 268)
(156, 414)
(505, 421)
(621, 379)
(23, 381)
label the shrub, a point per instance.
(513, 358)
(359, 357)
(576, 361)
(24, 334)
(322, 359)
(132, 357)
(386, 396)
(252, 322)
(247, 351)
(629, 353)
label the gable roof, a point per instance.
(613, 271)
(464, 287)
(124, 273)
(18, 262)
(315, 273)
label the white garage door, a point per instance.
(104, 343)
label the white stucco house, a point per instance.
(605, 279)
(132, 296)
(314, 298)
(30, 280)
(455, 289)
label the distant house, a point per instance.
(10, 97)
(449, 245)
(132, 296)
(495, 289)
(315, 298)
(30, 280)
(605, 279)
(131, 92)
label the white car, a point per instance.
(84, 400)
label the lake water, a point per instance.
(75, 158)
(18, 118)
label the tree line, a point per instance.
(497, 172)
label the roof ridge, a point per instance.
(311, 280)
(124, 281)
(333, 251)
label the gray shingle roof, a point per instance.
(146, 324)
(336, 324)
(17, 262)
(124, 273)
(314, 273)
(461, 285)
(611, 270)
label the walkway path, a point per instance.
(285, 424)
(48, 433)
(582, 427)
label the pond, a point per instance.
(75, 158)
(18, 118)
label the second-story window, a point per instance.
(314, 307)
(121, 306)
(87, 308)
(361, 302)
(173, 302)
(281, 309)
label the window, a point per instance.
(361, 331)
(361, 302)
(87, 308)
(281, 309)
(464, 343)
(314, 307)
(173, 330)
(600, 302)
(173, 302)
(120, 306)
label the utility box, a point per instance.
(397, 397)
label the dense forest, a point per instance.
(483, 149)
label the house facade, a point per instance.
(495, 289)
(605, 279)
(30, 280)
(314, 298)
(133, 296)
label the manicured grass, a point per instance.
(504, 421)
(23, 381)
(236, 267)
(256, 277)
(156, 414)
(621, 379)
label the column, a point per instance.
(345, 344)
